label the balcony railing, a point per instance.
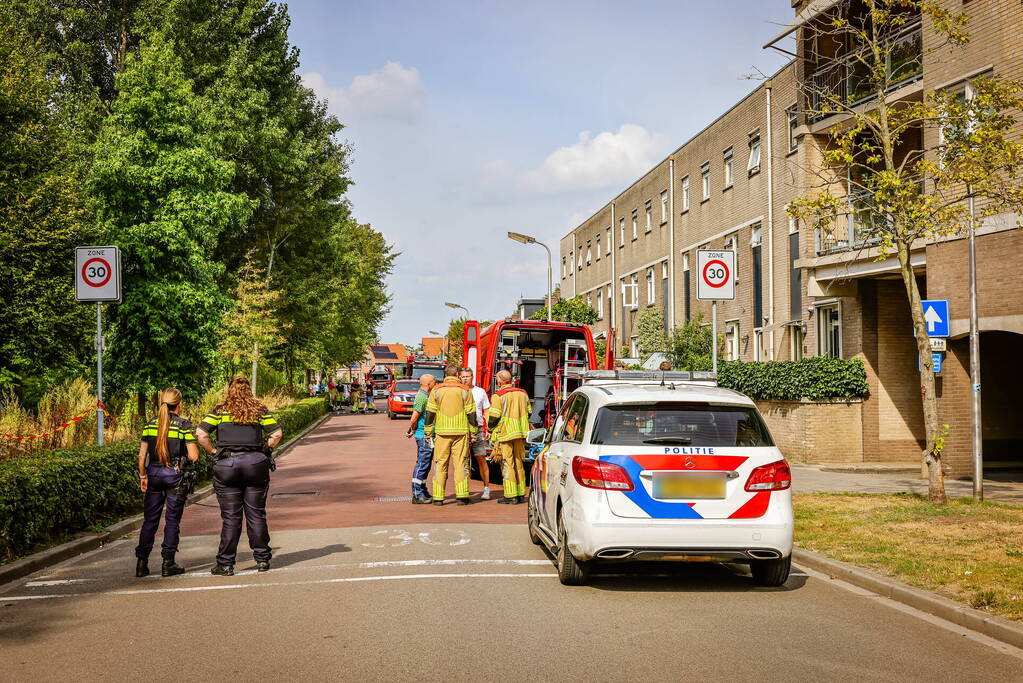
(853, 230)
(846, 81)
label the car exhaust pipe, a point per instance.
(764, 554)
(615, 554)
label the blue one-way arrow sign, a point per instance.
(936, 316)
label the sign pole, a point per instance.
(99, 372)
(714, 333)
(978, 438)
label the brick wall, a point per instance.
(816, 432)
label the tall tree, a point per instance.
(906, 170)
(162, 197)
(252, 325)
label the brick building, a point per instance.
(800, 292)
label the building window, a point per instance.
(732, 245)
(610, 296)
(829, 331)
(649, 216)
(732, 340)
(685, 194)
(589, 300)
(600, 305)
(629, 293)
(651, 298)
(596, 242)
(609, 242)
(759, 352)
(792, 116)
(621, 231)
(728, 167)
(589, 253)
(564, 267)
(635, 223)
(579, 259)
(754, 153)
(796, 342)
(705, 177)
(664, 207)
(758, 276)
(795, 273)
(634, 347)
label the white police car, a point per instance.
(661, 466)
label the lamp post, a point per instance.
(452, 305)
(526, 239)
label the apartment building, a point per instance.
(800, 292)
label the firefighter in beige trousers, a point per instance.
(508, 422)
(451, 422)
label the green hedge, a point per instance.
(44, 496)
(813, 378)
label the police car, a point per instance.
(661, 466)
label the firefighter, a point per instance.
(451, 422)
(246, 434)
(356, 396)
(508, 422)
(167, 442)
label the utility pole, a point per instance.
(975, 403)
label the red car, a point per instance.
(400, 396)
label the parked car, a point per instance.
(658, 469)
(400, 396)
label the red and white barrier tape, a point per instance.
(98, 406)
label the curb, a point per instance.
(64, 551)
(1006, 631)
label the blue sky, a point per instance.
(470, 119)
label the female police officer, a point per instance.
(167, 441)
(241, 474)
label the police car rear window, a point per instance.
(680, 424)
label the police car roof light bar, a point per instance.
(651, 376)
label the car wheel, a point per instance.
(390, 415)
(533, 521)
(771, 572)
(571, 572)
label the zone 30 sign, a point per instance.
(715, 272)
(98, 274)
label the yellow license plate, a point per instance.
(689, 486)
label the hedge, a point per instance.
(815, 378)
(47, 495)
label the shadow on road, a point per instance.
(310, 554)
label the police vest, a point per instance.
(238, 435)
(179, 434)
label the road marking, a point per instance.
(61, 582)
(312, 582)
(401, 537)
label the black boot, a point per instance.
(520, 500)
(263, 566)
(507, 501)
(169, 568)
(464, 501)
(142, 567)
(223, 570)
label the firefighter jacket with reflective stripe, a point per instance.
(451, 411)
(179, 433)
(230, 433)
(512, 407)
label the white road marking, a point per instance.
(235, 586)
(401, 537)
(61, 582)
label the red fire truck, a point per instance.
(547, 359)
(379, 379)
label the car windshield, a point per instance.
(680, 424)
(406, 386)
(438, 373)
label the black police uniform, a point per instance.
(241, 479)
(166, 485)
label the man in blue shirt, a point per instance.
(424, 446)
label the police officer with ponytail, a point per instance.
(246, 433)
(168, 444)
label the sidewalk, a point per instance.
(812, 479)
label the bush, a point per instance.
(813, 378)
(46, 495)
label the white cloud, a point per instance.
(392, 92)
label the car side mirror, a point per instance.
(536, 436)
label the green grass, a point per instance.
(968, 551)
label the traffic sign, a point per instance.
(716, 275)
(939, 344)
(98, 274)
(937, 361)
(936, 316)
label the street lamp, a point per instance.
(451, 305)
(526, 239)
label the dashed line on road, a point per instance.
(268, 584)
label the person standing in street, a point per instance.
(168, 443)
(424, 446)
(478, 446)
(508, 421)
(371, 407)
(451, 418)
(246, 434)
(356, 395)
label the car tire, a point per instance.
(571, 572)
(771, 572)
(532, 517)
(390, 415)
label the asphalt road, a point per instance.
(379, 590)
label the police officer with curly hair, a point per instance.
(246, 433)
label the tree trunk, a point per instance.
(932, 428)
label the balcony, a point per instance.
(853, 230)
(845, 80)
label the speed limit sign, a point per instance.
(716, 275)
(98, 274)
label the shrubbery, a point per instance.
(819, 377)
(48, 494)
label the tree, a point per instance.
(251, 326)
(650, 331)
(906, 170)
(690, 346)
(161, 197)
(456, 333)
(572, 310)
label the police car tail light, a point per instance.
(774, 476)
(594, 474)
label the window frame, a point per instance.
(754, 143)
(705, 181)
(819, 309)
(792, 123)
(685, 194)
(635, 224)
(726, 161)
(621, 228)
(651, 294)
(664, 207)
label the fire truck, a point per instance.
(379, 379)
(547, 359)
(416, 368)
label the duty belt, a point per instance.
(227, 451)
